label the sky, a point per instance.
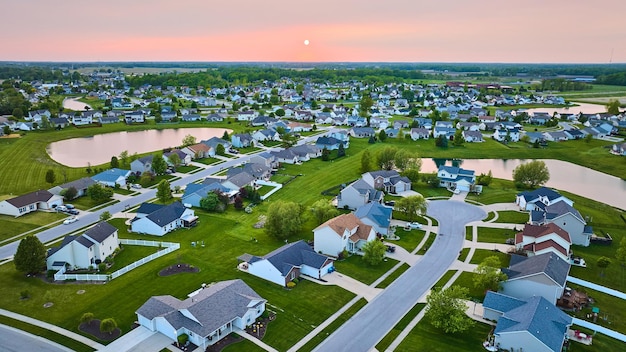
(529, 31)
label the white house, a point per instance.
(539, 198)
(158, 220)
(529, 324)
(206, 316)
(79, 185)
(198, 151)
(376, 215)
(26, 203)
(287, 263)
(344, 232)
(542, 275)
(566, 217)
(358, 193)
(86, 250)
(112, 177)
(388, 180)
(419, 133)
(141, 165)
(456, 178)
(539, 239)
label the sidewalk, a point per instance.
(54, 328)
(254, 340)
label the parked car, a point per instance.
(136, 186)
(69, 206)
(73, 212)
(62, 208)
(414, 225)
(71, 220)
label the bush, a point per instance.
(291, 284)
(102, 267)
(182, 339)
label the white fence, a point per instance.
(276, 186)
(169, 247)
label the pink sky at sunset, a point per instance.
(576, 31)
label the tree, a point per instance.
(411, 206)
(279, 112)
(431, 179)
(458, 138)
(603, 262)
(612, 107)
(382, 135)
(588, 138)
(220, 150)
(441, 141)
(446, 309)
(341, 151)
(7, 130)
(620, 254)
(210, 201)
(30, 257)
(114, 162)
(106, 215)
(108, 325)
(284, 219)
(225, 136)
(531, 174)
(86, 318)
(50, 176)
(123, 157)
(99, 193)
(489, 275)
(483, 179)
(405, 159)
(174, 160)
(365, 104)
(164, 192)
(238, 204)
(189, 140)
(70, 194)
(325, 154)
(371, 140)
(413, 175)
(323, 210)
(385, 158)
(374, 252)
(158, 164)
(366, 161)
(18, 113)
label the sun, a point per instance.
(306, 42)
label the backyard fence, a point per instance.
(168, 247)
(276, 186)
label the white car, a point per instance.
(414, 225)
(135, 186)
(70, 220)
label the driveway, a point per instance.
(140, 339)
(349, 284)
(368, 326)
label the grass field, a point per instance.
(512, 217)
(493, 235)
(480, 255)
(399, 327)
(357, 268)
(499, 191)
(408, 239)
(393, 276)
(425, 338)
(11, 226)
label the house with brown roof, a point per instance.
(344, 232)
(198, 151)
(539, 239)
(26, 203)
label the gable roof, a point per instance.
(378, 213)
(213, 307)
(292, 255)
(30, 198)
(542, 191)
(560, 208)
(167, 214)
(111, 175)
(147, 208)
(538, 231)
(241, 179)
(341, 223)
(550, 264)
(535, 315)
(101, 231)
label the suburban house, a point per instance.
(86, 250)
(358, 193)
(258, 171)
(456, 178)
(473, 136)
(158, 220)
(134, 117)
(141, 165)
(239, 180)
(287, 263)
(389, 181)
(242, 140)
(539, 239)
(619, 149)
(26, 203)
(206, 316)
(59, 122)
(330, 143)
(566, 217)
(530, 324)
(542, 275)
(362, 132)
(506, 135)
(185, 158)
(79, 185)
(376, 215)
(306, 152)
(198, 151)
(539, 199)
(112, 177)
(285, 156)
(419, 133)
(213, 142)
(344, 232)
(37, 115)
(195, 192)
(266, 135)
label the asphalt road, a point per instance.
(14, 340)
(368, 326)
(86, 219)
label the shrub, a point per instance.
(102, 267)
(182, 339)
(291, 284)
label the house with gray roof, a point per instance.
(456, 178)
(79, 185)
(539, 198)
(306, 152)
(206, 316)
(113, 177)
(358, 193)
(26, 203)
(214, 141)
(529, 324)
(141, 165)
(86, 250)
(242, 140)
(541, 275)
(287, 263)
(376, 215)
(195, 192)
(259, 171)
(389, 181)
(564, 215)
(362, 132)
(239, 180)
(160, 220)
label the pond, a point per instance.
(585, 108)
(563, 175)
(98, 149)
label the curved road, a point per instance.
(368, 326)
(14, 340)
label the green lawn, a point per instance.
(494, 235)
(615, 318)
(309, 346)
(263, 190)
(498, 191)
(463, 254)
(248, 150)
(358, 269)
(399, 327)
(393, 276)
(242, 346)
(512, 217)
(408, 239)
(130, 254)
(480, 255)
(469, 233)
(11, 226)
(427, 244)
(208, 161)
(425, 338)
(444, 278)
(187, 169)
(600, 342)
(466, 279)
(86, 203)
(282, 178)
